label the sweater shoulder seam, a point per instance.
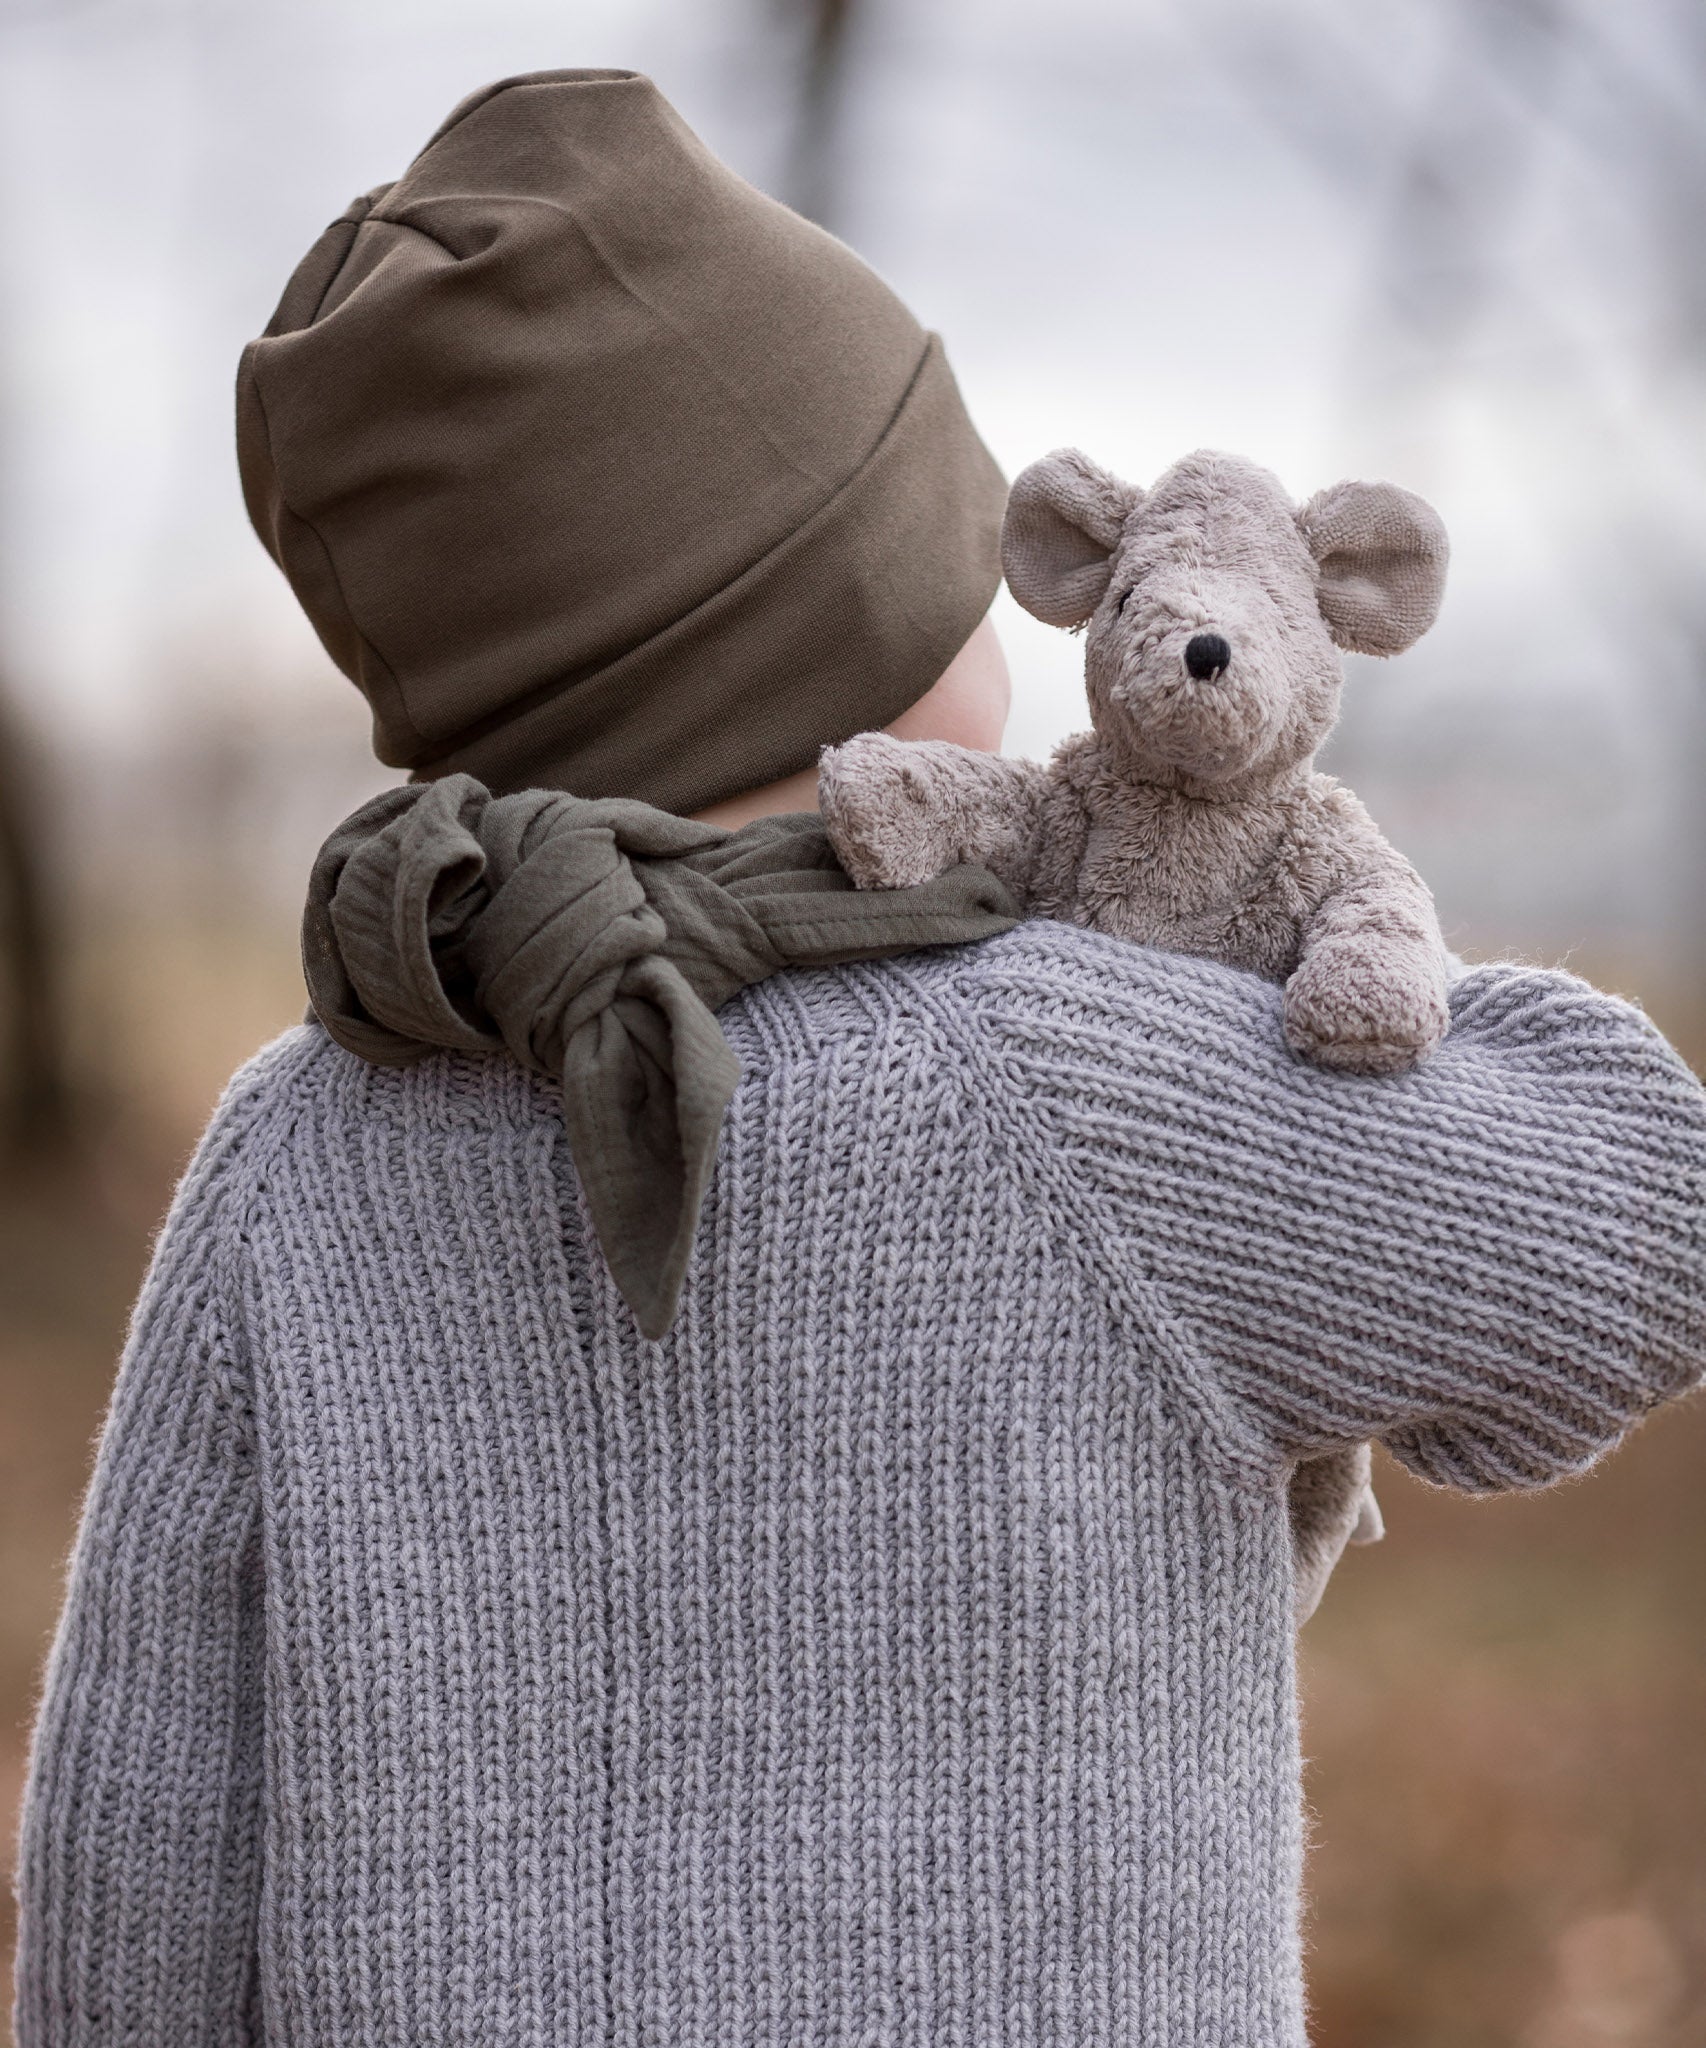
(244, 1170)
(1136, 1303)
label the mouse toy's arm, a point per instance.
(901, 811)
(1368, 992)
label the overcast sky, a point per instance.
(1115, 257)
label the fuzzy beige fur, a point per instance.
(1191, 815)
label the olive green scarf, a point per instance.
(592, 940)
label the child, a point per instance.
(900, 1649)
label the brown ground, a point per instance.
(1504, 1702)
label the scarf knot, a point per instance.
(592, 940)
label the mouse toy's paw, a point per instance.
(883, 810)
(1366, 1005)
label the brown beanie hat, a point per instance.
(598, 470)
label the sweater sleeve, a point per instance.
(1494, 1264)
(139, 1857)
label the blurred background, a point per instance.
(1459, 243)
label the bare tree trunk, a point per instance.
(36, 1105)
(812, 182)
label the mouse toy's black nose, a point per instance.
(1206, 654)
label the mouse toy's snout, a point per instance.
(1207, 656)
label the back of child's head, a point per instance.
(597, 469)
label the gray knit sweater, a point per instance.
(900, 1652)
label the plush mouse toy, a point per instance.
(1191, 816)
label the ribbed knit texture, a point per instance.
(898, 1653)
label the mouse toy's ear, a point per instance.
(1064, 516)
(1382, 553)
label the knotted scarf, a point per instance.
(592, 940)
